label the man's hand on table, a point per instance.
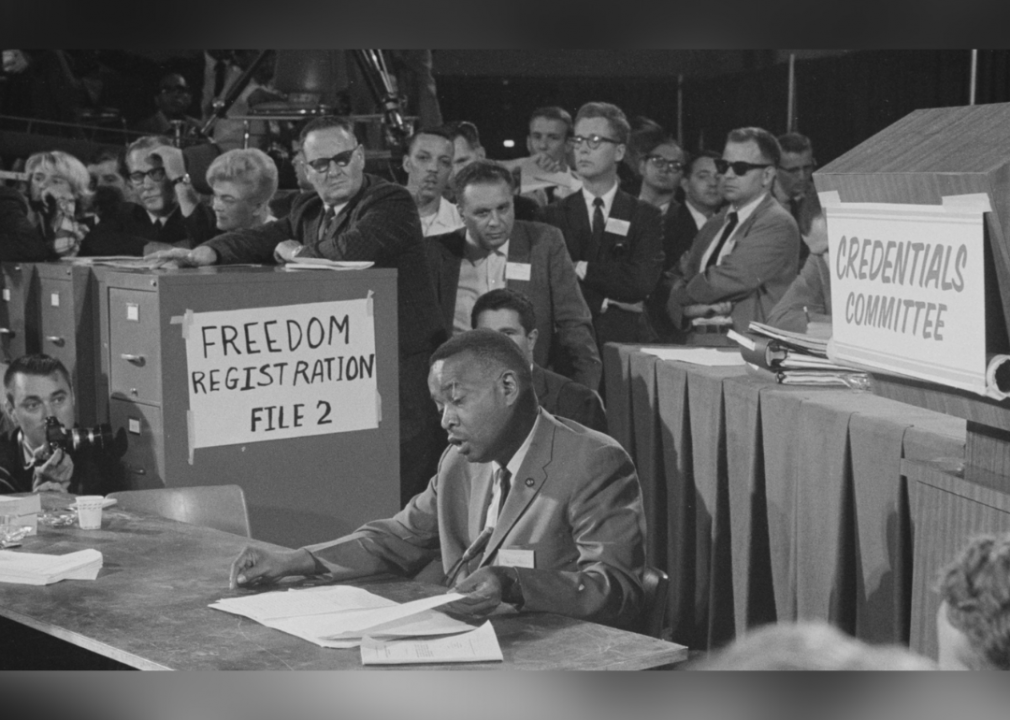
(55, 473)
(256, 566)
(287, 251)
(697, 311)
(485, 590)
(183, 258)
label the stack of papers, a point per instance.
(696, 355)
(340, 616)
(480, 645)
(36, 569)
(311, 263)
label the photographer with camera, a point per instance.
(45, 452)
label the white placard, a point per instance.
(280, 372)
(908, 290)
(54, 299)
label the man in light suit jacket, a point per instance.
(615, 240)
(744, 258)
(495, 250)
(550, 511)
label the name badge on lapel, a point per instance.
(511, 557)
(517, 271)
(617, 227)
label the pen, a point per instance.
(469, 554)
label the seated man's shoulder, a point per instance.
(586, 447)
(539, 232)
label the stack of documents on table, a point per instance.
(36, 569)
(480, 645)
(340, 616)
(794, 358)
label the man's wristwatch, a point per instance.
(184, 179)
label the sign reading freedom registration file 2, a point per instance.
(280, 372)
(907, 288)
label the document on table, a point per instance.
(339, 616)
(697, 355)
(38, 569)
(480, 645)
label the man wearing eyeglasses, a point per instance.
(661, 169)
(794, 184)
(351, 215)
(614, 239)
(744, 258)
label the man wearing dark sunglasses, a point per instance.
(351, 215)
(615, 239)
(744, 258)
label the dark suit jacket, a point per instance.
(95, 472)
(127, 228)
(753, 276)
(575, 502)
(568, 399)
(679, 232)
(566, 341)
(380, 223)
(20, 241)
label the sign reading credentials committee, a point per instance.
(281, 372)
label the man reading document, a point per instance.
(526, 509)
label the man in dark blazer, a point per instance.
(615, 240)
(354, 216)
(511, 313)
(745, 257)
(548, 512)
(494, 250)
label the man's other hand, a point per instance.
(545, 162)
(55, 473)
(483, 592)
(171, 159)
(257, 565)
(287, 251)
(183, 258)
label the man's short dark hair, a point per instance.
(439, 131)
(766, 142)
(325, 123)
(37, 366)
(481, 172)
(795, 143)
(506, 299)
(612, 114)
(976, 588)
(691, 158)
(466, 130)
(553, 112)
(105, 155)
(490, 349)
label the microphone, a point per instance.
(471, 552)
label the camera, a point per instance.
(71, 440)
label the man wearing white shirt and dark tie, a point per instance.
(742, 260)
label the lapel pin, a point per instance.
(529, 482)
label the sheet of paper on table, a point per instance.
(39, 569)
(339, 616)
(480, 645)
(697, 355)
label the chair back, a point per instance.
(221, 507)
(656, 585)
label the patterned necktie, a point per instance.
(598, 224)
(713, 259)
(503, 488)
(326, 224)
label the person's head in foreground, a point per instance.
(809, 646)
(243, 181)
(748, 164)
(481, 383)
(36, 387)
(512, 314)
(973, 622)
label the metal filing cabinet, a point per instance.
(68, 329)
(299, 490)
(19, 324)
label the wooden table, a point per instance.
(148, 609)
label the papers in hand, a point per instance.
(37, 569)
(340, 616)
(480, 645)
(311, 263)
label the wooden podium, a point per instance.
(920, 159)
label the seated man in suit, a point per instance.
(973, 621)
(167, 211)
(428, 164)
(550, 511)
(511, 313)
(495, 250)
(38, 387)
(354, 216)
(743, 260)
(615, 240)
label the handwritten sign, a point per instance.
(907, 288)
(280, 372)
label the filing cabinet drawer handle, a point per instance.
(56, 340)
(136, 470)
(135, 359)
(7, 331)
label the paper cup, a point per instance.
(89, 511)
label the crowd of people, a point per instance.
(507, 292)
